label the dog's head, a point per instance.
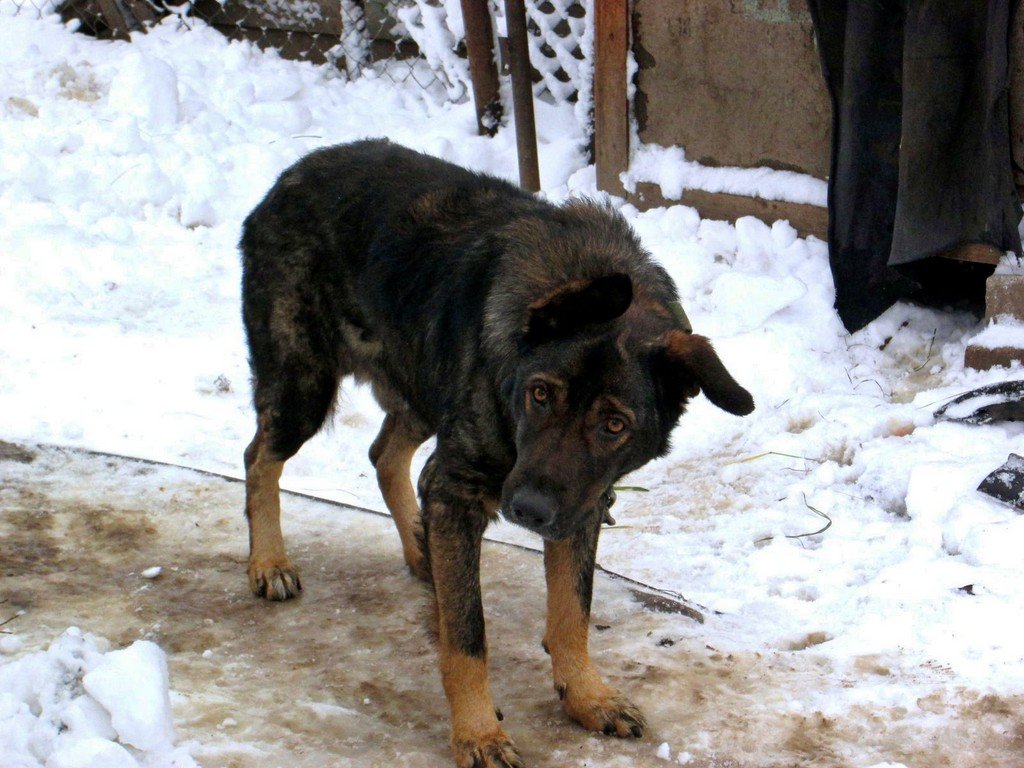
(599, 389)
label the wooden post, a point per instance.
(124, 16)
(611, 100)
(115, 14)
(483, 68)
(142, 11)
(522, 94)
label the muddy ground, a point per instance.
(346, 675)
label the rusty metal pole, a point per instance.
(483, 67)
(522, 94)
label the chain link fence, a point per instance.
(419, 41)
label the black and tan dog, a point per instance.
(540, 345)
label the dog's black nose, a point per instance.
(532, 510)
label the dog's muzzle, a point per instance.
(532, 510)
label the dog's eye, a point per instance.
(539, 393)
(615, 425)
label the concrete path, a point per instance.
(346, 675)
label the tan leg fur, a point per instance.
(477, 738)
(587, 699)
(271, 575)
(392, 454)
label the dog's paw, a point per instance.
(274, 581)
(418, 567)
(493, 751)
(609, 712)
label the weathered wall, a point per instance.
(734, 82)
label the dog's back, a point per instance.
(357, 241)
(385, 263)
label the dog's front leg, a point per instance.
(454, 533)
(569, 568)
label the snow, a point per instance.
(78, 705)
(1010, 264)
(125, 172)
(1001, 332)
(124, 683)
(433, 28)
(673, 173)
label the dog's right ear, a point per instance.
(578, 305)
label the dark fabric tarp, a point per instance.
(920, 146)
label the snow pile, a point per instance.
(77, 705)
(1001, 332)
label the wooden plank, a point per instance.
(611, 100)
(321, 16)
(114, 15)
(977, 253)
(291, 45)
(142, 11)
(805, 219)
(483, 68)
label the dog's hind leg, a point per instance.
(391, 454)
(271, 575)
(296, 373)
(569, 568)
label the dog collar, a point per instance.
(676, 308)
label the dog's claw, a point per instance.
(623, 719)
(275, 582)
(614, 715)
(497, 752)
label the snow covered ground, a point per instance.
(125, 171)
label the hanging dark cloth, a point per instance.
(920, 146)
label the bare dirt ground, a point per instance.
(346, 675)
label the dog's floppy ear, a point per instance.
(691, 361)
(577, 305)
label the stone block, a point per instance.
(1004, 295)
(982, 358)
